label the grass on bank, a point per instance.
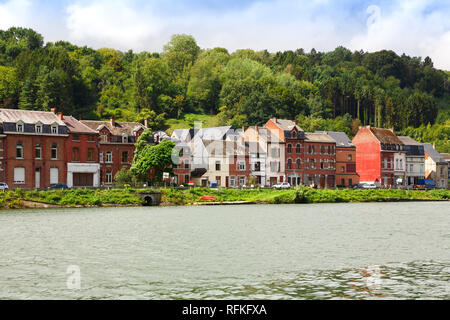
(171, 196)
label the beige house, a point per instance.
(436, 167)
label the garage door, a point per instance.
(83, 179)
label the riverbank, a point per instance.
(76, 198)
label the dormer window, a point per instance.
(124, 138)
(104, 137)
(54, 129)
(38, 127)
(20, 126)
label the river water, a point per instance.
(323, 251)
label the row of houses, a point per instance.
(281, 152)
(39, 149)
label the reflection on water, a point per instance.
(335, 251)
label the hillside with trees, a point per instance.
(337, 90)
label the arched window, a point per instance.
(289, 148)
(20, 126)
(298, 148)
(299, 164)
(289, 164)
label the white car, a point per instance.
(283, 185)
(369, 186)
(3, 186)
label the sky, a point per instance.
(415, 27)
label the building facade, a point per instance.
(116, 146)
(378, 151)
(415, 161)
(83, 168)
(436, 167)
(34, 148)
(320, 160)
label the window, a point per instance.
(54, 172)
(54, 129)
(350, 182)
(322, 149)
(124, 138)
(217, 165)
(299, 164)
(342, 182)
(75, 137)
(124, 156)
(109, 177)
(401, 164)
(329, 150)
(241, 181)
(109, 157)
(181, 152)
(289, 148)
(19, 175)
(396, 164)
(19, 151)
(274, 166)
(309, 149)
(20, 126)
(75, 154)
(232, 181)
(350, 157)
(38, 128)
(297, 148)
(311, 163)
(104, 138)
(385, 163)
(91, 138)
(275, 152)
(54, 151)
(289, 164)
(101, 157)
(90, 154)
(343, 169)
(186, 164)
(38, 151)
(186, 178)
(241, 165)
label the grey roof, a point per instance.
(30, 117)
(119, 128)
(433, 153)
(319, 137)
(341, 138)
(76, 126)
(286, 125)
(408, 141)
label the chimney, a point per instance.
(113, 122)
(60, 116)
(146, 123)
(53, 110)
(295, 122)
(275, 120)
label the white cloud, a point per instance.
(14, 13)
(111, 23)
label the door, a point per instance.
(37, 178)
(273, 181)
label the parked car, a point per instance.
(283, 185)
(369, 186)
(3, 186)
(359, 186)
(59, 186)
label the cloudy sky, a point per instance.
(415, 27)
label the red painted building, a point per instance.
(320, 160)
(376, 152)
(116, 145)
(83, 168)
(293, 138)
(34, 148)
(182, 169)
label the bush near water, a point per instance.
(173, 196)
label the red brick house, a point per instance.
(376, 152)
(83, 168)
(346, 175)
(320, 160)
(293, 138)
(182, 169)
(34, 148)
(116, 145)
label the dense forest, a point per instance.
(337, 90)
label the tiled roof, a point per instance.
(408, 141)
(76, 126)
(385, 136)
(119, 128)
(446, 156)
(286, 125)
(319, 137)
(30, 117)
(341, 139)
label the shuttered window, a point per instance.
(19, 175)
(54, 172)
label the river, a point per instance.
(320, 251)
